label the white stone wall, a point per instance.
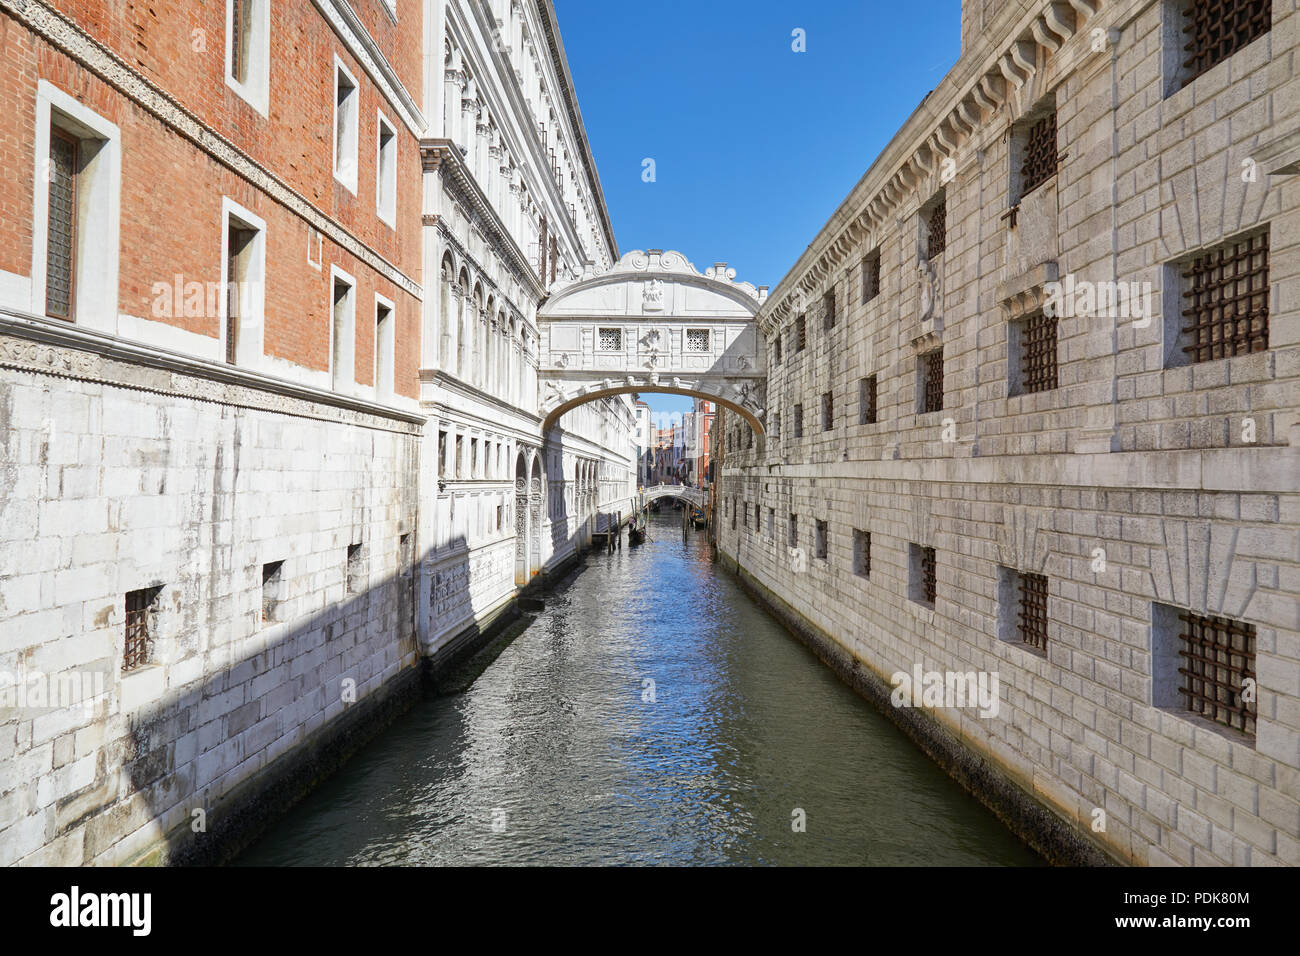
(121, 479)
(1183, 480)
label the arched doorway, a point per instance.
(535, 519)
(522, 576)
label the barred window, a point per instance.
(820, 536)
(61, 244)
(1226, 292)
(611, 340)
(1033, 342)
(924, 584)
(871, 276)
(867, 394)
(1040, 157)
(932, 381)
(697, 340)
(794, 530)
(937, 222)
(862, 553)
(1216, 29)
(140, 606)
(1217, 657)
(800, 334)
(1032, 617)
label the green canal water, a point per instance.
(651, 714)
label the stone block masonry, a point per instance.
(1048, 457)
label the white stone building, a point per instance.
(1034, 411)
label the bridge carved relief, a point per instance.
(653, 323)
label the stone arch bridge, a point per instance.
(693, 496)
(653, 323)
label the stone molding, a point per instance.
(43, 346)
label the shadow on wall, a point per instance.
(316, 690)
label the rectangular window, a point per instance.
(923, 579)
(1031, 616)
(443, 468)
(611, 340)
(776, 349)
(342, 336)
(347, 101)
(793, 531)
(931, 378)
(61, 242)
(460, 456)
(936, 220)
(862, 553)
(828, 311)
(247, 50)
(697, 340)
(1225, 292)
(386, 173)
(820, 536)
(871, 276)
(758, 519)
(1038, 153)
(383, 349)
(1216, 29)
(735, 506)
(828, 411)
(473, 458)
(771, 523)
(867, 390)
(356, 569)
(1204, 664)
(140, 608)
(800, 334)
(798, 421)
(776, 425)
(240, 244)
(745, 508)
(272, 590)
(1031, 344)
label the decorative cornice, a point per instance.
(443, 156)
(85, 49)
(33, 343)
(1006, 70)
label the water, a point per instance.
(561, 752)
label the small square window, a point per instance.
(356, 569)
(862, 553)
(923, 584)
(141, 608)
(1210, 31)
(1202, 665)
(697, 340)
(611, 340)
(1224, 307)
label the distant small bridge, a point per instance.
(685, 493)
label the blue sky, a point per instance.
(754, 145)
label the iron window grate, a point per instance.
(871, 276)
(1219, 657)
(1040, 160)
(697, 340)
(139, 642)
(932, 367)
(61, 245)
(1227, 289)
(929, 577)
(611, 340)
(1033, 610)
(1038, 364)
(1219, 28)
(938, 229)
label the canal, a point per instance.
(651, 714)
